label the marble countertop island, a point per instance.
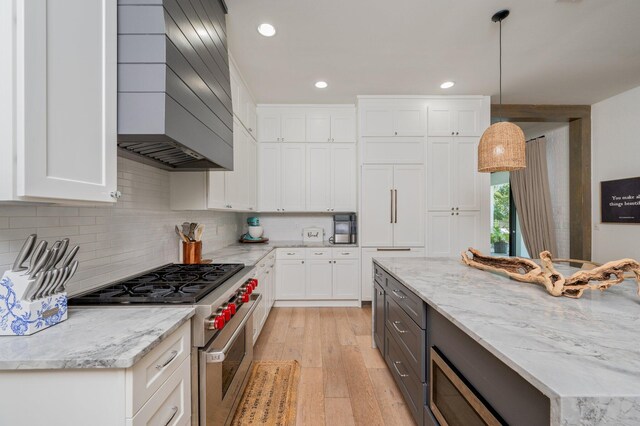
(250, 254)
(584, 354)
(115, 337)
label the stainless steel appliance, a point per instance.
(345, 229)
(452, 401)
(222, 328)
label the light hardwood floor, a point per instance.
(344, 381)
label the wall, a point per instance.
(134, 235)
(557, 135)
(278, 227)
(615, 150)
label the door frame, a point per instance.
(579, 119)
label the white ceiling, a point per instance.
(554, 52)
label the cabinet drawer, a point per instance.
(171, 404)
(346, 253)
(297, 253)
(408, 301)
(319, 253)
(410, 337)
(413, 390)
(148, 374)
(380, 276)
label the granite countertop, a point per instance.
(584, 354)
(250, 254)
(115, 337)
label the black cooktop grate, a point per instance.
(173, 283)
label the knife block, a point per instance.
(19, 317)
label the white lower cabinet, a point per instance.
(265, 274)
(368, 254)
(323, 274)
(450, 233)
(154, 391)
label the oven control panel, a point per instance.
(225, 312)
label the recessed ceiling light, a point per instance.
(267, 30)
(447, 84)
(321, 84)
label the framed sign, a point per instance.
(620, 201)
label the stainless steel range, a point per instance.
(222, 328)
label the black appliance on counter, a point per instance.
(345, 229)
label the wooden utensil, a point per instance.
(181, 235)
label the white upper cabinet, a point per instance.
(244, 108)
(281, 125)
(398, 118)
(343, 178)
(456, 117)
(64, 105)
(269, 177)
(331, 177)
(319, 126)
(319, 177)
(331, 125)
(453, 179)
(293, 177)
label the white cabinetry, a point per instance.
(265, 274)
(281, 125)
(156, 390)
(392, 212)
(282, 176)
(244, 108)
(452, 176)
(331, 177)
(58, 106)
(327, 125)
(397, 118)
(368, 254)
(450, 233)
(457, 117)
(320, 276)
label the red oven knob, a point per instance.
(232, 308)
(218, 322)
(254, 282)
(245, 297)
(248, 289)
(227, 314)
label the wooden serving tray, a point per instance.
(260, 241)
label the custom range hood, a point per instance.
(174, 92)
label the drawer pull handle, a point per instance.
(345, 254)
(399, 294)
(395, 365)
(290, 254)
(174, 411)
(173, 356)
(399, 330)
(318, 253)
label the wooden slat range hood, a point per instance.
(174, 93)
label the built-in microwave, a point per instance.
(452, 400)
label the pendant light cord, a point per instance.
(501, 62)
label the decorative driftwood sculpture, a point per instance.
(545, 274)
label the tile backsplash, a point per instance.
(280, 227)
(135, 234)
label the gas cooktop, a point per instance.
(172, 283)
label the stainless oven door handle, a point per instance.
(219, 356)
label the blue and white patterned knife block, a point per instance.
(19, 317)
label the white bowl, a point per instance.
(256, 231)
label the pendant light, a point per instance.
(502, 145)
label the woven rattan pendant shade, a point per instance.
(501, 148)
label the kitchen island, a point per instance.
(581, 354)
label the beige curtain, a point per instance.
(532, 197)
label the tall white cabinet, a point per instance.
(58, 106)
(420, 192)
